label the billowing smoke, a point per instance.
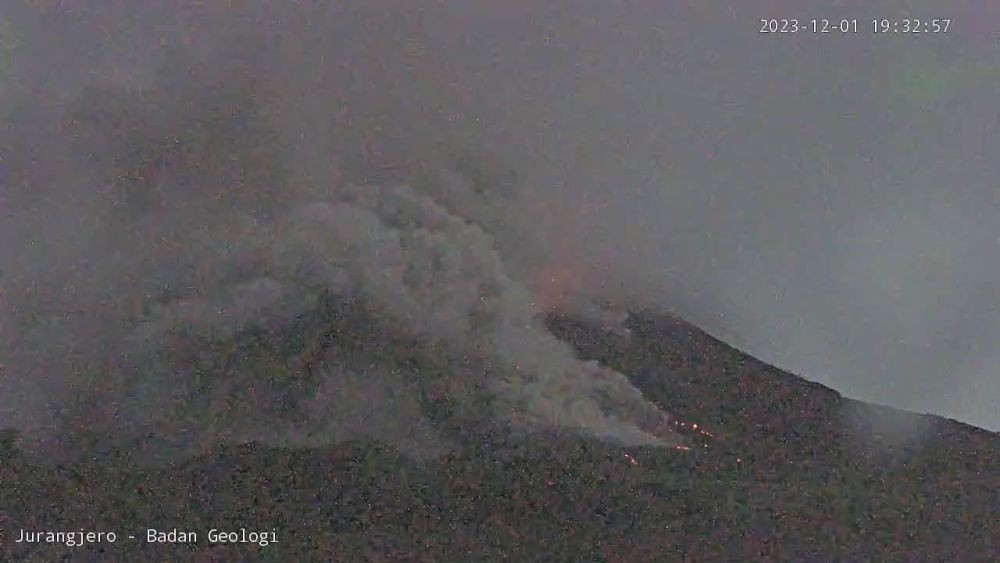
(198, 291)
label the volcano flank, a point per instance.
(788, 470)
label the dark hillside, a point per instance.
(784, 475)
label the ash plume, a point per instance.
(199, 291)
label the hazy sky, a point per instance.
(827, 202)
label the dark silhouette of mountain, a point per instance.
(778, 469)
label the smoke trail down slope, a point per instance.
(441, 278)
(197, 291)
(436, 278)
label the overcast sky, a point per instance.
(828, 203)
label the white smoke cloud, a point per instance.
(440, 280)
(187, 234)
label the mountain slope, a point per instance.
(793, 471)
(816, 461)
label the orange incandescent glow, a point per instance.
(553, 286)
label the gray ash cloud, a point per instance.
(185, 298)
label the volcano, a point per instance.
(776, 468)
(231, 329)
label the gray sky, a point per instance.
(828, 203)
